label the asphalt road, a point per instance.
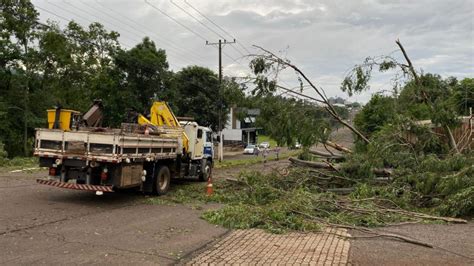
(47, 225)
(453, 244)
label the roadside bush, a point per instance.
(3, 154)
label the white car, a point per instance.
(264, 145)
(251, 149)
(297, 145)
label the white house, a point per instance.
(238, 130)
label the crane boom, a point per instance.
(161, 115)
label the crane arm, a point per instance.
(161, 115)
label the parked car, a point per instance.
(264, 145)
(295, 146)
(251, 149)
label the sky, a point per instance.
(325, 39)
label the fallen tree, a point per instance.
(336, 167)
(327, 155)
(263, 62)
(387, 180)
(296, 201)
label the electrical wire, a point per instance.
(197, 20)
(67, 20)
(215, 24)
(186, 27)
(83, 18)
(114, 25)
(177, 48)
(204, 25)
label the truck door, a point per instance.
(208, 149)
(199, 144)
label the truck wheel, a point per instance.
(162, 180)
(206, 172)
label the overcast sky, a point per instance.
(324, 38)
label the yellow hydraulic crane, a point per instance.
(161, 115)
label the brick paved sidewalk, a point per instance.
(259, 247)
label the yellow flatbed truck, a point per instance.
(145, 155)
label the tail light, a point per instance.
(52, 171)
(103, 175)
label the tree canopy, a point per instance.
(44, 65)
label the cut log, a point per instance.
(318, 165)
(336, 167)
(341, 191)
(382, 171)
(337, 147)
(327, 155)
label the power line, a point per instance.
(170, 43)
(204, 25)
(52, 13)
(113, 24)
(200, 22)
(184, 26)
(85, 19)
(215, 24)
(68, 20)
(175, 20)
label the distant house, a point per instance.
(240, 126)
(337, 100)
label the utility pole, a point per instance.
(221, 143)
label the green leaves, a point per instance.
(289, 121)
(380, 110)
(387, 65)
(199, 95)
(144, 76)
(357, 81)
(261, 67)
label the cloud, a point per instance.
(324, 38)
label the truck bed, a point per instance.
(111, 145)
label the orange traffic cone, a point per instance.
(209, 189)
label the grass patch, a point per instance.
(19, 163)
(252, 159)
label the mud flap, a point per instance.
(147, 186)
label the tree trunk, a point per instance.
(337, 147)
(25, 107)
(336, 167)
(318, 165)
(452, 141)
(320, 93)
(327, 155)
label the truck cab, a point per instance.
(200, 147)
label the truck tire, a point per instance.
(206, 172)
(162, 180)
